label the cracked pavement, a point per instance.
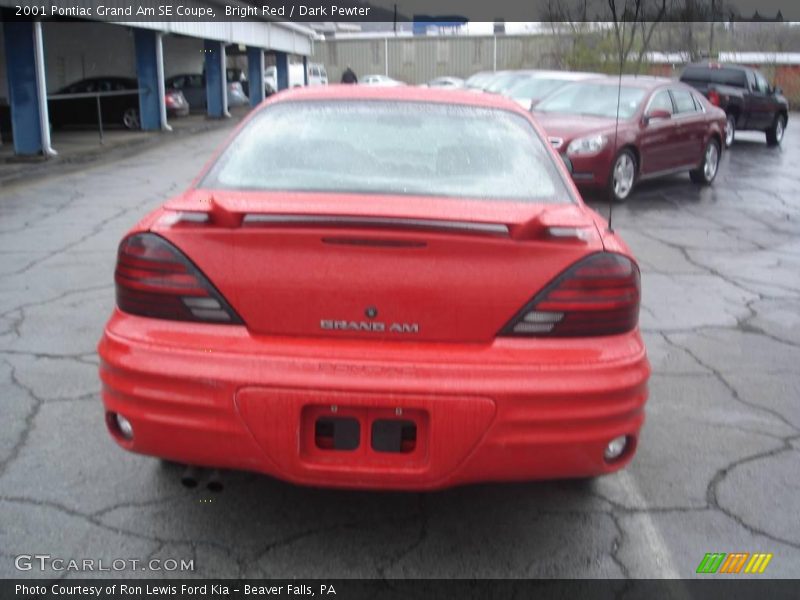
(717, 470)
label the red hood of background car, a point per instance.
(571, 126)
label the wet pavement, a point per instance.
(716, 471)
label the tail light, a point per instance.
(236, 87)
(154, 279)
(713, 97)
(598, 295)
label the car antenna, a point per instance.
(616, 125)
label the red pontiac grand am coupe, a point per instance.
(394, 288)
(664, 127)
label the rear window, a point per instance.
(385, 147)
(721, 75)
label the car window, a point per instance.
(323, 72)
(396, 148)
(195, 81)
(535, 88)
(661, 101)
(595, 100)
(721, 75)
(698, 103)
(762, 86)
(177, 82)
(683, 101)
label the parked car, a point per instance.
(618, 131)
(176, 103)
(445, 82)
(193, 86)
(504, 80)
(379, 80)
(479, 80)
(317, 75)
(528, 90)
(747, 98)
(311, 306)
(116, 110)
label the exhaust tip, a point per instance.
(189, 477)
(214, 483)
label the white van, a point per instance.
(316, 75)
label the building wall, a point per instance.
(182, 55)
(3, 76)
(419, 59)
(77, 50)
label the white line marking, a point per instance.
(652, 536)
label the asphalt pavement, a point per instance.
(717, 470)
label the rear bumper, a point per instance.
(513, 410)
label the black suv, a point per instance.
(745, 95)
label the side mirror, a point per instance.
(567, 162)
(657, 114)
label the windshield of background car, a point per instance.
(594, 100)
(388, 147)
(535, 88)
(499, 82)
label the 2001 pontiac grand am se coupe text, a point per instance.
(390, 288)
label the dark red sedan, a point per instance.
(617, 132)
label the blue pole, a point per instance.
(23, 88)
(148, 73)
(216, 83)
(282, 64)
(255, 74)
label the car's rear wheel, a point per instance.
(730, 130)
(775, 132)
(622, 177)
(707, 171)
(130, 118)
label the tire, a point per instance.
(622, 178)
(730, 130)
(707, 171)
(130, 118)
(776, 131)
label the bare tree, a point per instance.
(644, 15)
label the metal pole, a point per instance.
(44, 118)
(99, 119)
(494, 55)
(386, 56)
(161, 85)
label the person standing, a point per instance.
(349, 76)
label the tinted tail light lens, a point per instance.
(713, 97)
(154, 279)
(598, 295)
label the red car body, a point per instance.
(661, 145)
(302, 384)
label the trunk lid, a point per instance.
(302, 264)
